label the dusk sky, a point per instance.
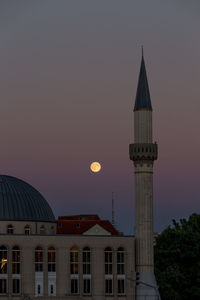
(68, 78)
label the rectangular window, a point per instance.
(86, 285)
(51, 267)
(3, 286)
(86, 269)
(74, 285)
(121, 286)
(16, 286)
(16, 268)
(51, 289)
(39, 289)
(38, 267)
(108, 286)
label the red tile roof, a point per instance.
(77, 226)
(79, 217)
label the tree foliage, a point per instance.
(177, 260)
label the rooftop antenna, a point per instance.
(113, 212)
(142, 51)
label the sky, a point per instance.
(68, 78)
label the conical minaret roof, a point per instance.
(143, 99)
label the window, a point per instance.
(39, 277)
(120, 261)
(16, 286)
(15, 260)
(3, 260)
(86, 270)
(51, 288)
(74, 286)
(108, 255)
(38, 259)
(51, 259)
(108, 260)
(3, 286)
(3, 269)
(86, 285)
(74, 260)
(120, 271)
(74, 269)
(42, 229)
(10, 229)
(108, 286)
(59, 225)
(16, 270)
(39, 289)
(51, 271)
(120, 286)
(27, 230)
(86, 261)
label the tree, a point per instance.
(177, 260)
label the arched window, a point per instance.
(27, 230)
(3, 270)
(10, 229)
(108, 255)
(108, 261)
(51, 271)
(39, 262)
(16, 278)
(120, 261)
(51, 259)
(15, 260)
(120, 271)
(74, 260)
(74, 269)
(4, 260)
(38, 259)
(86, 270)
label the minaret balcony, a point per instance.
(143, 151)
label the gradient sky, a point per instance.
(68, 77)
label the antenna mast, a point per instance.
(113, 212)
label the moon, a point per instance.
(95, 166)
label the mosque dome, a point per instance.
(19, 201)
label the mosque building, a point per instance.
(79, 257)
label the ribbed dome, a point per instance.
(19, 201)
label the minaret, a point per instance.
(143, 153)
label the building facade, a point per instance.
(39, 260)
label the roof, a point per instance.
(79, 217)
(81, 226)
(19, 201)
(142, 100)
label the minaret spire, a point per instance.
(143, 99)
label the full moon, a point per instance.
(95, 167)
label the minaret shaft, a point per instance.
(143, 126)
(143, 153)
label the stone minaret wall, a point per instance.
(143, 153)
